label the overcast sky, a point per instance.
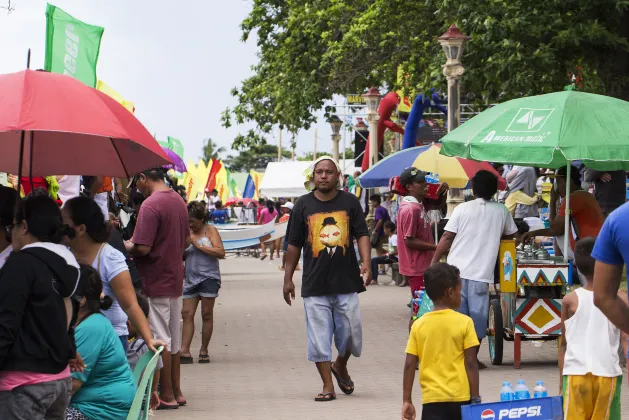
(177, 61)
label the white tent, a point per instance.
(284, 179)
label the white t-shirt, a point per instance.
(4, 254)
(392, 242)
(478, 225)
(112, 263)
(213, 200)
(69, 187)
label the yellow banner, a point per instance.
(101, 86)
(508, 269)
(222, 185)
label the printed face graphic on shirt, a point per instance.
(328, 231)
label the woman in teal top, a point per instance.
(105, 389)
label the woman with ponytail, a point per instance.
(89, 245)
(105, 389)
(36, 284)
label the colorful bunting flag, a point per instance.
(72, 47)
(211, 179)
(257, 179)
(250, 188)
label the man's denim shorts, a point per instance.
(475, 304)
(335, 316)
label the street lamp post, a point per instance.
(335, 123)
(372, 98)
(453, 43)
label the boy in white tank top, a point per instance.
(588, 358)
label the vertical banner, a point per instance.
(211, 179)
(72, 47)
(175, 146)
(250, 188)
(221, 183)
(257, 180)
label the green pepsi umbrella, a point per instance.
(547, 131)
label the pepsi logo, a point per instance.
(488, 414)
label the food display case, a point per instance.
(527, 301)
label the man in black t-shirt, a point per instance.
(325, 223)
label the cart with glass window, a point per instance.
(527, 302)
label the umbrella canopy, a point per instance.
(177, 162)
(548, 131)
(455, 171)
(61, 126)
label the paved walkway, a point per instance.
(259, 368)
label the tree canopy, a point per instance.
(211, 150)
(311, 50)
(256, 157)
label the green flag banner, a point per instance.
(175, 146)
(72, 47)
(164, 144)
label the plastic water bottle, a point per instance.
(521, 390)
(540, 390)
(506, 392)
(432, 178)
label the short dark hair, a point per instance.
(218, 204)
(389, 225)
(439, 278)
(214, 191)
(155, 174)
(376, 198)
(196, 210)
(575, 175)
(484, 184)
(583, 256)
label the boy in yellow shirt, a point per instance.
(444, 342)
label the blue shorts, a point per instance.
(285, 244)
(475, 304)
(335, 316)
(207, 288)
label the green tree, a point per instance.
(310, 51)
(211, 150)
(255, 158)
(309, 156)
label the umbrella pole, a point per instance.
(19, 165)
(567, 232)
(30, 160)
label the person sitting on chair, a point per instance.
(389, 257)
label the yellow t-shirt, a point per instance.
(439, 339)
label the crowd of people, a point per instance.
(83, 298)
(330, 227)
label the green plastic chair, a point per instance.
(143, 377)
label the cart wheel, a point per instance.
(496, 340)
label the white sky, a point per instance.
(177, 61)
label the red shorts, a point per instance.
(416, 283)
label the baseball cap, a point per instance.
(410, 175)
(574, 174)
(288, 205)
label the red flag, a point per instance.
(211, 179)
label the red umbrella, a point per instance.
(54, 124)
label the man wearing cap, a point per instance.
(416, 243)
(325, 223)
(472, 235)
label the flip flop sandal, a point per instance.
(164, 406)
(182, 402)
(204, 358)
(262, 258)
(347, 386)
(186, 360)
(328, 396)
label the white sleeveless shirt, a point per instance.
(592, 341)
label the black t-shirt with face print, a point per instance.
(326, 231)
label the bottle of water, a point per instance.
(506, 392)
(540, 390)
(432, 178)
(521, 390)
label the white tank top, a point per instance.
(592, 341)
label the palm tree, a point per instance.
(211, 150)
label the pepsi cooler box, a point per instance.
(550, 408)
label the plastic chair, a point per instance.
(143, 377)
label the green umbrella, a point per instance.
(547, 131)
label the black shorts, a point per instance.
(443, 411)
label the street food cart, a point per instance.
(527, 303)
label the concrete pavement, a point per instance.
(259, 367)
